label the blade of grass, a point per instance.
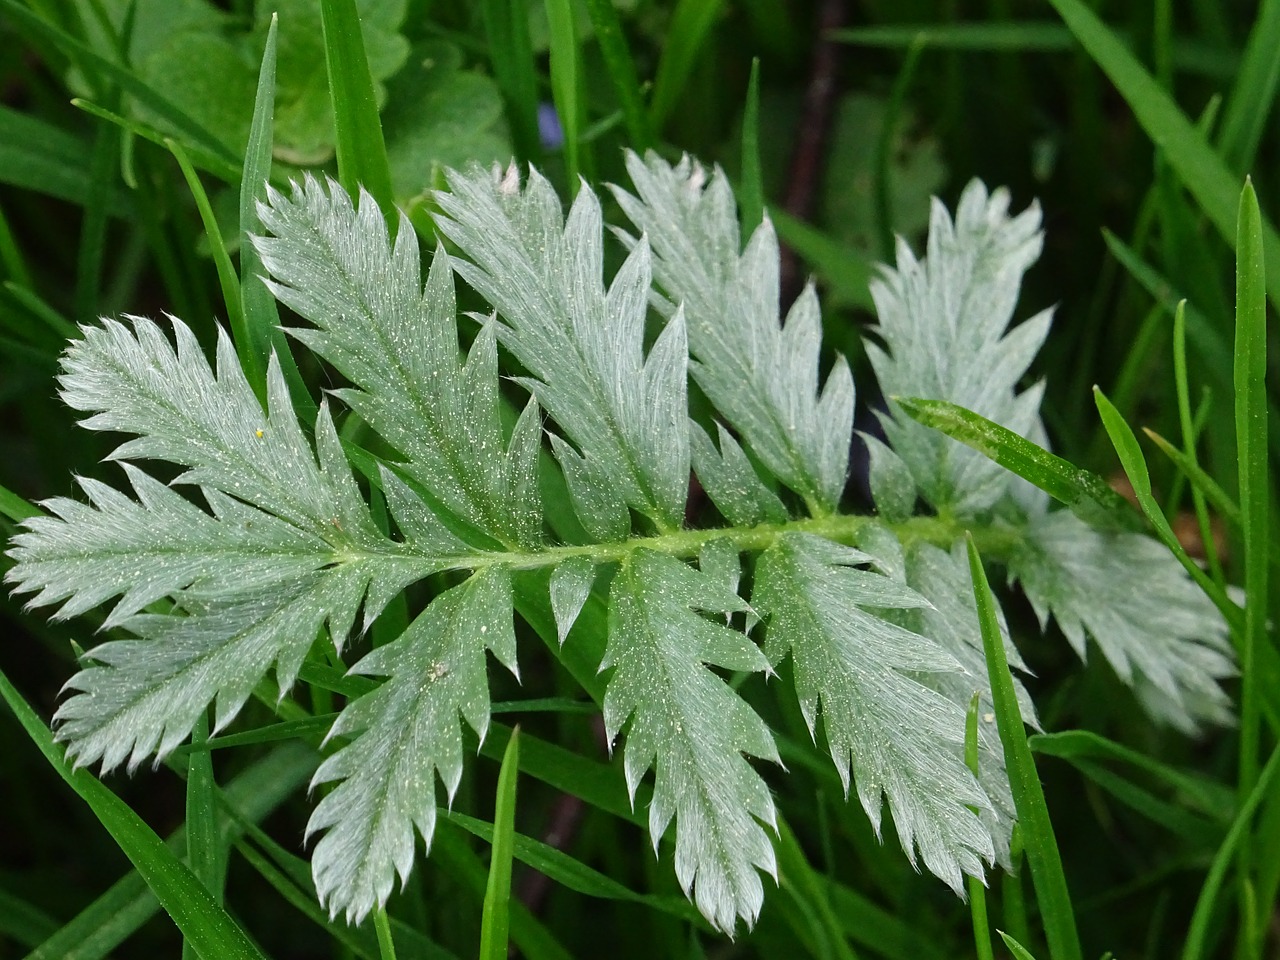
(228, 282)
(1250, 370)
(565, 83)
(884, 147)
(495, 916)
(1039, 842)
(1201, 170)
(977, 889)
(102, 926)
(261, 331)
(533, 939)
(201, 158)
(1201, 482)
(691, 22)
(11, 258)
(796, 875)
(1198, 932)
(202, 921)
(1029, 37)
(23, 922)
(362, 152)
(846, 270)
(206, 854)
(622, 71)
(1086, 493)
(37, 156)
(751, 188)
(1251, 445)
(575, 875)
(15, 507)
(510, 53)
(1135, 468)
(1254, 91)
(1189, 436)
(257, 306)
(1018, 951)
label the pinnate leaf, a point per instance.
(897, 737)
(693, 729)
(404, 733)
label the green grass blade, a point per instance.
(1009, 36)
(206, 856)
(564, 85)
(23, 922)
(622, 71)
(1017, 950)
(1039, 842)
(1194, 946)
(103, 925)
(201, 158)
(93, 229)
(1254, 92)
(846, 270)
(751, 188)
(35, 155)
(11, 259)
(977, 889)
(510, 52)
(202, 921)
(691, 23)
(1190, 434)
(529, 934)
(575, 875)
(257, 306)
(797, 876)
(1135, 468)
(1251, 446)
(15, 507)
(362, 152)
(1200, 480)
(495, 918)
(1086, 493)
(1201, 170)
(228, 282)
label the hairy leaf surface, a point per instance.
(762, 376)
(943, 319)
(398, 343)
(582, 344)
(693, 729)
(899, 738)
(1162, 636)
(404, 733)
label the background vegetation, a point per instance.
(864, 111)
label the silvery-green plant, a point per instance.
(286, 556)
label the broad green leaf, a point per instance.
(332, 263)
(582, 344)
(943, 320)
(693, 729)
(440, 115)
(761, 375)
(896, 737)
(402, 735)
